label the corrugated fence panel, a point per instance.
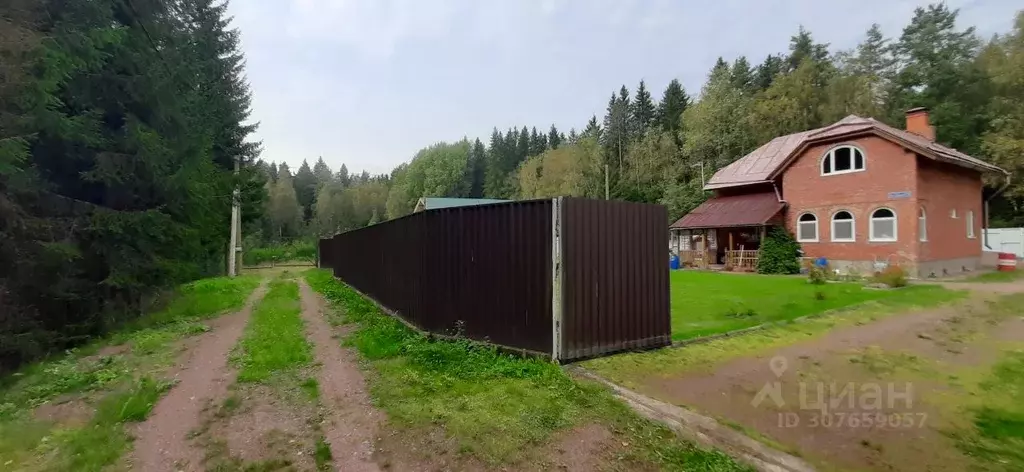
(482, 271)
(486, 272)
(615, 292)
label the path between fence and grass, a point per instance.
(457, 405)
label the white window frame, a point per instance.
(895, 226)
(952, 214)
(817, 235)
(853, 161)
(922, 225)
(970, 225)
(853, 224)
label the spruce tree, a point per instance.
(742, 75)
(573, 137)
(522, 148)
(802, 47)
(476, 166)
(538, 142)
(767, 71)
(554, 138)
(343, 178)
(322, 173)
(493, 169)
(642, 112)
(305, 189)
(670, 110)
(593, 129)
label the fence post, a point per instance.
(556, 278)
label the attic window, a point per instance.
(842, 160)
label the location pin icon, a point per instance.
(778, 365)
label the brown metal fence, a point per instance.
(501, 273)
(615, 289)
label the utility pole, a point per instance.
(701, 164)
(235, 228)
(606, 181)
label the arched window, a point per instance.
(883, 225)
(807, 228)
(842, 160)
(922, 225)
(843, 227)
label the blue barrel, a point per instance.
(673, 262)
(821, 262)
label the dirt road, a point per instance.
(351, 421)
(162, 441)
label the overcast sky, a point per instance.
(369, 82)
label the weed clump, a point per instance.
(893, 277)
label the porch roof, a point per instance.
(753, 209)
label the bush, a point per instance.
(779, 253)
(893, 276)
(297, 251)
(817, 275)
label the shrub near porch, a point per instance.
(707, 303)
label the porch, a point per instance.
(699, 248)
(725, 231)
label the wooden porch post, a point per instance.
(730, 240)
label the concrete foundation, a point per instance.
(919, 269)
(948, 267)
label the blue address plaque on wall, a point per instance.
(896, 195)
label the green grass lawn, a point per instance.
(707, 303)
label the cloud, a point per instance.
(372, 28)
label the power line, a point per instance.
(138, 20)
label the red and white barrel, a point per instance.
(1007, 262)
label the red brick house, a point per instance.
(860, 193)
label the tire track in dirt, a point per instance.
(351, 421)
(162, 441)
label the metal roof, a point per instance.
(767, 161)
(434, 203)
(753, 209)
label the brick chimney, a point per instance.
(917, 123)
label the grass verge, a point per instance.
(707, 303)
(997, 277)
(110, 387)
(274, 341)
(494, 407)
(997, 438)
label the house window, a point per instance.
(922, 225)
(842, 160)
(807, 228)
(843, 227)
(952, 214)
(883, 225)
(684, 240)
(970, 224)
